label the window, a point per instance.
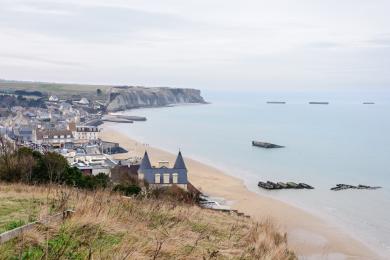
(157, 178)
(175, 178)
(166, 177)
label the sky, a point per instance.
(206, 44)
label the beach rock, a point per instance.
(360, 187)
(265, 145)
(305, 186)
(275, 186)
(269, 185)
(283, 185)
(265, 185)
(292, 185)
(343, 187)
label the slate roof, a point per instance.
(52, 132)
(179, 164)
(145, 163)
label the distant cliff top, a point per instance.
(127, 97)
(116, 97)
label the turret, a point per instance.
(145, 163)
(179, 164)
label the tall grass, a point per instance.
(108, 226)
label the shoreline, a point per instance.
(308, 235)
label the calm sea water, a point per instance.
(343, 142)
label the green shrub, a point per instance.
(174, 193)
(127, 190)
(28, 166)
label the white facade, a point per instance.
(96, 162)
(53, 99)
(55, 138)
(101, 169)
(86, 133)
(84, 101)
(90, 158)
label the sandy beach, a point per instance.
(309, 236)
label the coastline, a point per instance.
(308, 235)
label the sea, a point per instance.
(345, 141)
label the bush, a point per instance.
(102, 180)
(28, 166)
(127, 190)
(174, 193)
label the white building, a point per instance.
(53, 99)
(86, 133)
(92, 163)
(84, 101)
(56, 138)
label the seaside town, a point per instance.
(72, 129)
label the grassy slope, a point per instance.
(108, 226)
(52, 88)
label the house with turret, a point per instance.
(163, 175)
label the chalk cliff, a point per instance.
(121, 98)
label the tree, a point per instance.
(56, 166)
(73, 177)
(29, 166)
(8, 164)
(27, 163)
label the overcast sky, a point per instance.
(204, 43)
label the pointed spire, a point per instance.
(145, 163)
(179, 164)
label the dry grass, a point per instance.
(17, 207)
(108, 226)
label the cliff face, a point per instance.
(121, 98)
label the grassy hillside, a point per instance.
(108, 226)
(53, 88)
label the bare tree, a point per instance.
(8, 165)
(27, 164)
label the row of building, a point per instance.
(56, 137)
